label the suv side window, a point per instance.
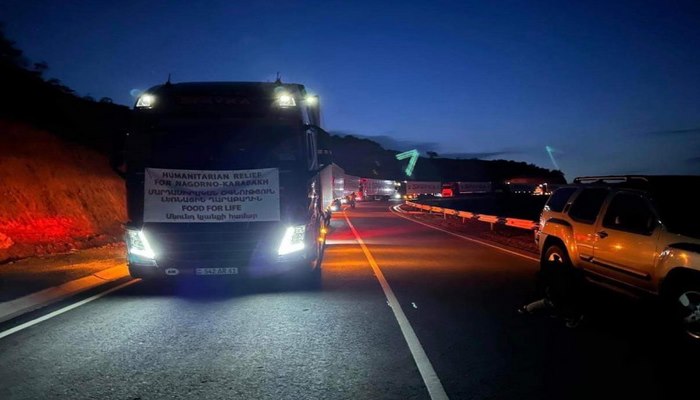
(586, 206)
(558, 199)
(629, 212)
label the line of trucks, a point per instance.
(228, 178)
(337, 185)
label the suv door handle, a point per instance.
(602, 234)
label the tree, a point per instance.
(41, 67)
(9, 53)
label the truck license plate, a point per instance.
(216, 271)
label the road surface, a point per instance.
(415, 313)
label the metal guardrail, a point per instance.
(492, 219)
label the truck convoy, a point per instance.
(222, 179)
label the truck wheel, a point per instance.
(683, 304)
(313, 276)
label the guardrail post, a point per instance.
(444, 215)
(491, 223)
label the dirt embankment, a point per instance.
(54, 196)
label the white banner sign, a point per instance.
(422, 187)
(178, 195)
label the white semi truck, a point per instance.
(378, 189)
(413, 189)
(332, 184)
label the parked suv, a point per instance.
(636, 234)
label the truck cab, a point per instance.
(222, 179)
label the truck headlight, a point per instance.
(138, 245)
(293, 240)
(146, 100)
(285, 100)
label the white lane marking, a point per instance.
(430, 378)
(64, 309)
(465, 237)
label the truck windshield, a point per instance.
(224, 144)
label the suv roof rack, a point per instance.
(610, 179)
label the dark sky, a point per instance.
(613, 87)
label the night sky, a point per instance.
(612, 87)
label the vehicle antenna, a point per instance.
(279, 79)
(168, 81)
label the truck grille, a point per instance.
(219, 242)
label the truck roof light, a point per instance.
(311, 100)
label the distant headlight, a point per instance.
(138, 245)
(397, 196)
(293, 240)
(146, 101)
(334, 208)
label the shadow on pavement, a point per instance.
(208, 289)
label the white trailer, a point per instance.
(378, 189)
(351, 185)
(415, 188)
(332, 179)
(474, 187)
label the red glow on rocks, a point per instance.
(45, 229)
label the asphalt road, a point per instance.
(284, 339)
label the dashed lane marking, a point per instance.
(430, 378)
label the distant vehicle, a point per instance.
(448, 190)
(378, 189)
(222, 179)
(451, 189)
(413, 189)
(523, 188)
(474, 187)
(634, 234)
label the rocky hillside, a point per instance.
(56, 195)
